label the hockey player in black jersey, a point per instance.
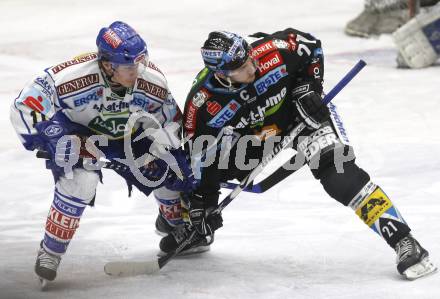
(257, 91)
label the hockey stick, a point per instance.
(127, 268)
(273, 179)
(267, 183)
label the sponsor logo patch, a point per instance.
(86, 98)
(269, 62)
(172, 211)
(84, 58)
(263, 49)
(77, 84)
(293, 44)
(114, 128)
(212, 53)
(154, 67)
(152, 89)
(213, 107)
(373, 207)
(112, 38)
(340, 128)
(200, 97)
(142, 102)
(226, 114)
(272, 77)
(34, 100)
(320, 141)
(280, 44)
(191, 118)
(61, 225)
(46, 86)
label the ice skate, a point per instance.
(163, 228)
(412, 259)
(46, 267)
(178, 235)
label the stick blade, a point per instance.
(131, 268)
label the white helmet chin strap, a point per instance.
(226, 82)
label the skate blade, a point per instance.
(424, 268)
(162, 234)
(356, 33)
(187, 252)
(43, 283)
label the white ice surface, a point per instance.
(292, 242)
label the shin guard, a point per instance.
(377, 211)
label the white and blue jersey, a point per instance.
(79, 89)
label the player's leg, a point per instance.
(382, 17)
(170, 210)
(71, 196)
(331, 158)
(172, 223)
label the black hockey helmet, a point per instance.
(224, 51)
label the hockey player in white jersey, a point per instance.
(95, 94)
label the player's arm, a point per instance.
(204, 159)
(34, 104)
(305, 62)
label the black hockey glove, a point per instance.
(311, 109)
(201, 217)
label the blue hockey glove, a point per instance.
(60, 151)
(173, 182)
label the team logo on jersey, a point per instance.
(269, 62)
(272, 77)
(152, 89)
(226, 114)
(77, 84)
(53, 130)
(81, 59)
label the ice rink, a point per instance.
(293, 241)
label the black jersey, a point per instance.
(289, 63)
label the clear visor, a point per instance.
(139, 65)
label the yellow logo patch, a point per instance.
(374, 206)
